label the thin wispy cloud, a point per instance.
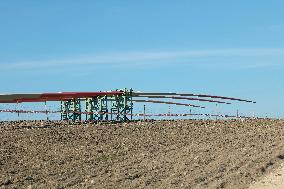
(147, 57)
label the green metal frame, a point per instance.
(71, 110)
(122, 105)
(98, 108)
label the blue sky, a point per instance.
(229, 48)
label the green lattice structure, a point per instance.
(122, 106)
(97, 108)
(71, 110)
(100, 108)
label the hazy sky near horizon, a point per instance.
(228, 48)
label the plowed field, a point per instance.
(159, 154)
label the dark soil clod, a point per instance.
(281, 156)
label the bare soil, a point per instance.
(273, 180)
(159, 154)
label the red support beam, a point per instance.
(19, 98)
